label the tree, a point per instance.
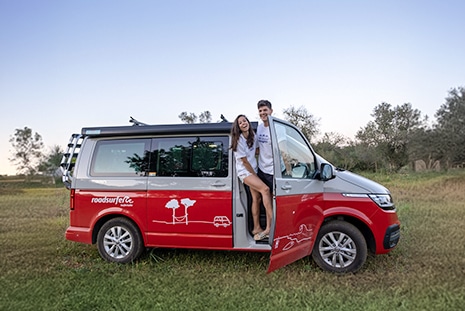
(189, 118)
(424, 146)
(332, 147)
(304, 120)
(28, 150)
(51, 161)
(391, 131)
(205, 117)
(450, 128)
(367, 156)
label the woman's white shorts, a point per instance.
(244, 176)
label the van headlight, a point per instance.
(383, 200)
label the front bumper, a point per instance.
(392, 236)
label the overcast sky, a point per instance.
(69, 64)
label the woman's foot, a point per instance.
(261, 236)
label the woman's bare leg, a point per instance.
(256, 184)
(256, 211)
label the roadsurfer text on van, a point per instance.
(144, 186)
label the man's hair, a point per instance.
(264, 102)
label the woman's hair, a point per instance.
(236, 133)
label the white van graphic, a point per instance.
(221, 221)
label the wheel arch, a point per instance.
(102, 220)
(360, 225)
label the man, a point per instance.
(265, 157)
(265, 152)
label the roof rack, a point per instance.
(136, 122)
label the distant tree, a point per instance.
(424, 146)
(334, 148)
(27, 150)
(390, 133)
(205, 117)
(367, 157)
(304, 120)
(189, 118)
(51, 161)
(347, 154)
(450, 128)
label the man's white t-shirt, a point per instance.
(265, 157)
(244, 151)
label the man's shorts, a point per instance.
(267, 179)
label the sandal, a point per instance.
(260, 236)
(254, 233)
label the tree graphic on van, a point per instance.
(174, 204)
(218, 221)
(187, 203)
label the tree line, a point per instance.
(395, 139)
(399, 136)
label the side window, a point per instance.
(121, 157)
(171, 156)
(190, 157)
(296, 157)
(207, 158)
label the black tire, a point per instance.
(119, 240)
(340, 247)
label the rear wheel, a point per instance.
(340, 247)
(119, 240)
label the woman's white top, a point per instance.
(244, 151)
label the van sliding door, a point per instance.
(189, 193)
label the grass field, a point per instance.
(40, 270)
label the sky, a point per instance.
(65, 65)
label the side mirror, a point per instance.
(326, 172)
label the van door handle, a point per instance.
(286, 187)
(218, 184)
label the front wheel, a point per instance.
(119, 240)
(340, 247)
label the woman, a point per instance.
(244, 147)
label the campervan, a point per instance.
(174, 186)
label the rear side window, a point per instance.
(128, 157)
(190, 157)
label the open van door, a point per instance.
(297, 210)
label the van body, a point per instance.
(175, 186)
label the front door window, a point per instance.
(296, 158)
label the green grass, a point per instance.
(40, 270)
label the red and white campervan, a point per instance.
(174, 186)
